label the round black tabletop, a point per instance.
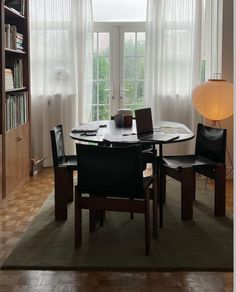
(107, 131)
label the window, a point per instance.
(101, 76)
(118, 68)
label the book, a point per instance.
(7, 36)
(13, 37)
(8, 79)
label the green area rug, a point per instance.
(204, 244)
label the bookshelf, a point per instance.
(15, 96)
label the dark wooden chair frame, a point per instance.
(115, 203)
(63, 165)
(215, 170)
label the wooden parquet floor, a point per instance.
(17, 212)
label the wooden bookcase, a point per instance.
(14, 96)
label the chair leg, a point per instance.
(78, 221)
(102, 217)
(70, 186)
(163, 188)
(220, 190)
(92, 219)
(154, 207)
(131, 214)
(60, 175)
(194, 189)
(147, 222)
(187, 193)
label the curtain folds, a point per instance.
(82, 24)
(61, 69)
(177, 51)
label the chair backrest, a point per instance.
(211, 143)
(57, 143)
(110, 170)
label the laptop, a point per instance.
(145, 128)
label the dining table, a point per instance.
(106, 132)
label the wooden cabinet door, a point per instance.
(17, 157)
(11, 166)
(23, 154)
(1, 167)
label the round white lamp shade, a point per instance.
(214, 99)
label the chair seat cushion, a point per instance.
(70, 162)
(184, 161)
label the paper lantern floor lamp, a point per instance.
(214, 99)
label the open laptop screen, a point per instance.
(144, 121)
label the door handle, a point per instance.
(18, 138)
(111, 90)
(123, 90)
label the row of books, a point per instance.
(14, 74)
(17, 6)
(13, 39)
(16, 110)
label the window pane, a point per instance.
(140, 94)
(129, 49)
(103, 93)
(94, 113)
(103, 113)
(140, 68)
(103, 44)
(101, 75)
(140, 43)
(130, 68)
(95, 92)
(119, 10)
(130, 92)
(103, 68)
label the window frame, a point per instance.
(116, 29)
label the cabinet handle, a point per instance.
(18, 138)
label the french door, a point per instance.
(118, 68)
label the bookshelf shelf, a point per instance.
(14, 96)
(14, 51)
(12, 12)
(15, 89)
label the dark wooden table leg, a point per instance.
(160, 186)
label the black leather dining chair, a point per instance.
(208, 160)
(63, 166)
(113, 178)
(149, 154)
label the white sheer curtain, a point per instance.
(83, 57)
(212, 38)
(57, 86)
(173, 58)
(175, 44)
